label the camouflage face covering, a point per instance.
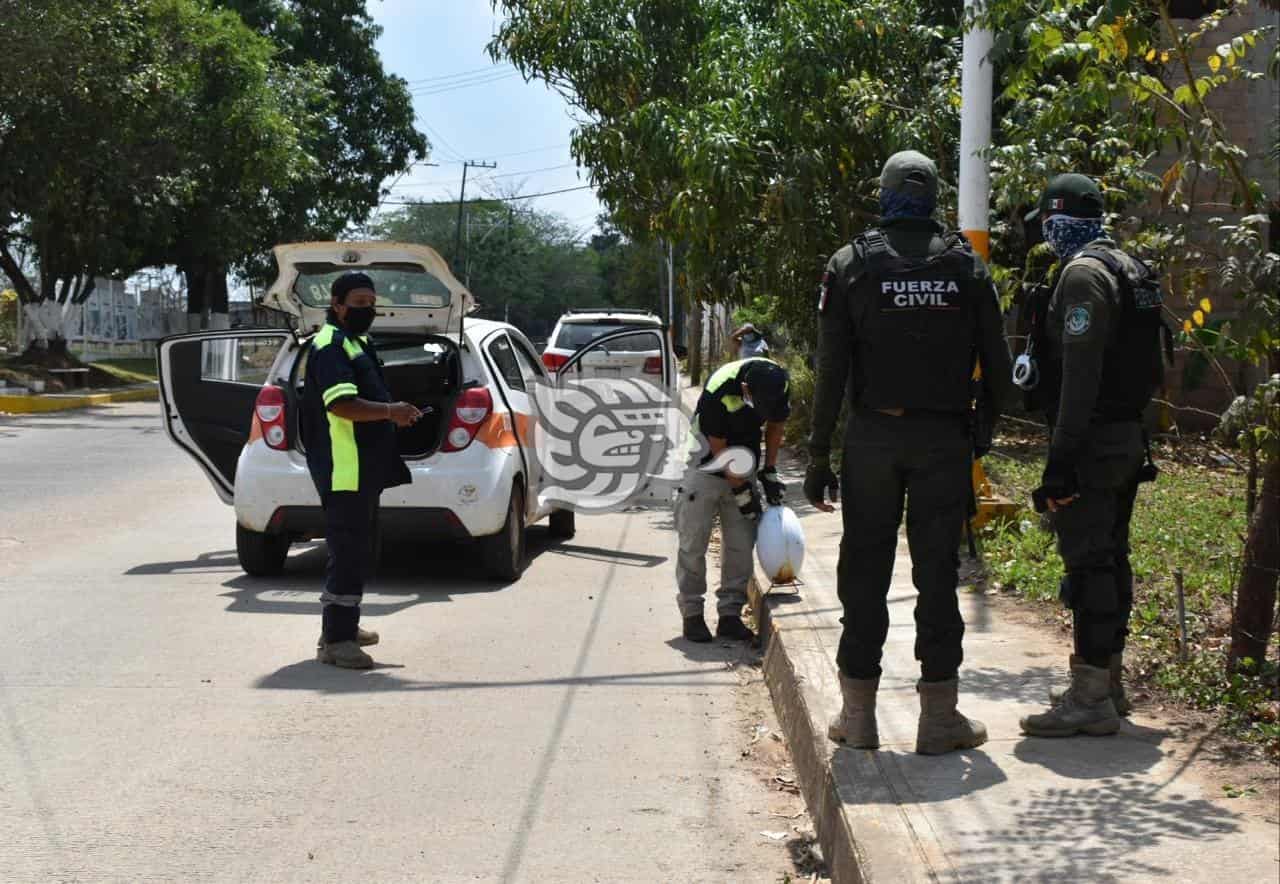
(1067, 235)
(894, 204)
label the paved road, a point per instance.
(161, 717)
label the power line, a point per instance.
(466, 85)
(492, 177)
(519, 153)
(440, 138)
(486, 69)
(504, 199)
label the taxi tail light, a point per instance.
(653, 365)
(473, 407)
(269, 412)
(554, 361)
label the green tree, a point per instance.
(359, 130)
(76, 169)
(750, 132)
(176, 125)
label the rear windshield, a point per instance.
(402, 285)
(575, 335)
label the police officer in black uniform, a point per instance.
(1097, 351)
(350, 423)
(906, 311)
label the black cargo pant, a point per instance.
(1093, 539)
(926, 462)
(350, 525)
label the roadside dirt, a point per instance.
(780, 831)
(781, 824)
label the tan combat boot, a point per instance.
(942, 728)
(855, 726)
(344, 655)
(364, 638)
(1118, 695)
(1086, 707)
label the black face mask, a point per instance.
(359, 319)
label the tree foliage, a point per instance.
(750, 132)
(176, 125)
(362, 121)
(1126, 93)
(139, 132)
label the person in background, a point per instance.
(750, 342)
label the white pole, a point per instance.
(975, 133)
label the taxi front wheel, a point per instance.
(261, 555)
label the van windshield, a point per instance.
(399, 285)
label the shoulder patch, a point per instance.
(1079, 318)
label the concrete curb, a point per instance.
(42, 403)
(865, 835)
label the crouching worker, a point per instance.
(352, 454)
(742, 403)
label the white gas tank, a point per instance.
(780, 544)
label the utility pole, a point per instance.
(462, 201)
(975, 187)
(975, 133)
(511, 223)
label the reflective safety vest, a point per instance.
(915, 326)
(344, 455)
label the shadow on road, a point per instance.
(308, 675)
(611, 556)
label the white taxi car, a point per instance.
(231, 400)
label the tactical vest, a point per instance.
(917, 334)
(1134, 360)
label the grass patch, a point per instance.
(131, 371)
(1191, 519)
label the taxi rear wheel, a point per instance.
(261, 555)
(504, 552)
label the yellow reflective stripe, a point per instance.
(723, 374)
(346, 457)
(351, 348)
(337, 391)
(323, 338)
(733, 403)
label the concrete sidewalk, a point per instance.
(1135, 807)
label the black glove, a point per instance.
(1058, 482)
(747, 500)
(819, 480)
(773, 487)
